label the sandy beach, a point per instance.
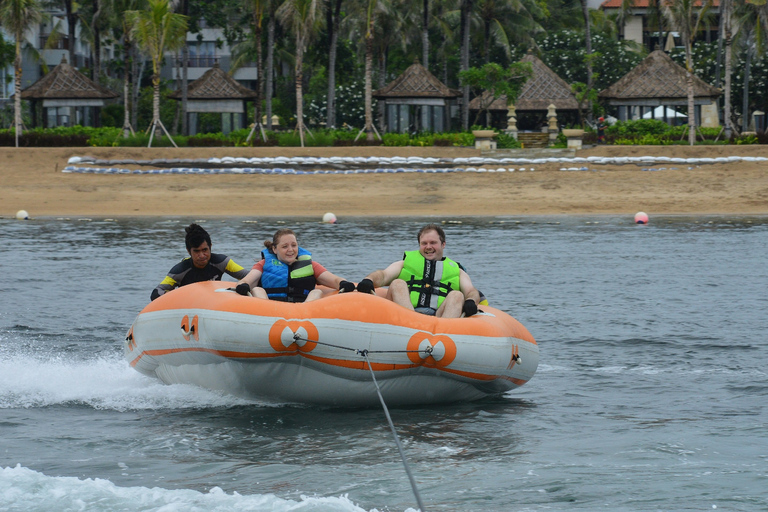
(32, 179)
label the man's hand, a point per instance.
(243, 288)
(470, 307)
(365, 286)
(346, 286)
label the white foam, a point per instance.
(24, 489)
(30, 382)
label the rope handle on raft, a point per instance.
(365, 352)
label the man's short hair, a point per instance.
(432, 227)
(196, 235)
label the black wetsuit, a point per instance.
(185, 272)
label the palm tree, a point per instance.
(333, 17)
(302, 17)
(19, 16)
(466, 11)
(726, 17)
(370, 24)
(257, 9)
(157, 29)
(751, 26)
(686, 17)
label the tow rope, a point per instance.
(364, 353)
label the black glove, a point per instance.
(470, 307)
(365, 286)
(346, 286)
(155, 294)
(243, 288)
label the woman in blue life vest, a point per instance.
(287, 273)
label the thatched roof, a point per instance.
(657, 77)
(545, 87)
(215, 84)
(66, 83)
(416, 82)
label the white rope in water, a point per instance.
(364, 353)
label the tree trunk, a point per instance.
(257, 24)
(184, 89)
(369, 83)
(333, 28)
(270, 68)
(691, 105)
(383, 82)
(487, 41)
(96, 40)
(138, 72)
(178, 111)
(425, 35)
(71, 26)
(126, 87)
(17, 90)
(155, 100)
(466, 9)
(728, 72)
(299, 92)
(588, 47)
(745, 95)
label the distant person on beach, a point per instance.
(202, 264)
(425, 281)
(287, 273)
(601, 130)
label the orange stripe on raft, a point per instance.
(341, 363)
(355, 307)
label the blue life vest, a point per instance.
(290, 283)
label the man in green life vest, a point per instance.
(425, 281)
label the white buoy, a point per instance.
(329, 218)
(22, 215)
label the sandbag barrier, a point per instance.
(376, 165)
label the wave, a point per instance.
(22, 489)
(106, 383)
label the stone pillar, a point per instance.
(511, 121)
(552, 127)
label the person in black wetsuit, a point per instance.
(202, 264)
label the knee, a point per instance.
(455, 297)
(314, 295)
(398, 285)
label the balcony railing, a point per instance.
(62, 44)
(198, 62)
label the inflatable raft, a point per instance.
(323, 352)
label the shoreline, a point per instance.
(31, 180)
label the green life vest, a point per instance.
(429, 281)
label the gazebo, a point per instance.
(217, 92)
(68, 97)
(543, 89)
(659, 81)
(416, 101)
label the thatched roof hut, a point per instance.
(64, 86)
(216, 88)
(543, 89)
(217, 92)
(657, 80)
(416, 100)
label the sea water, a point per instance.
(651, 393)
